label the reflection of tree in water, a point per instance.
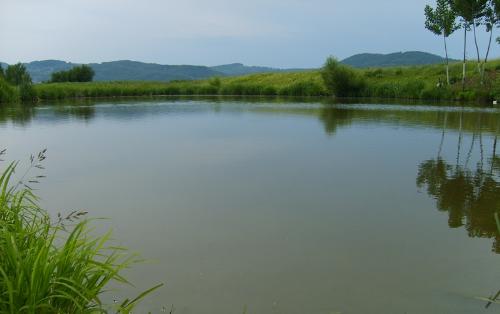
(85, 113)
(17, 114)
(470, 196)
(23, 114)
(333, 118)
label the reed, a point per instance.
(53, 266)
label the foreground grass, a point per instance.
(53, 266)
(416, 82)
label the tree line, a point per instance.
(82, 73)
(17, 75)
(449, 16)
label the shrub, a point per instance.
(436, 93)
(341, 80)
(53, 266)
(27, 92)
(82, 73)
(412, 89)
(269, 91)
(232, 89)
(305, 88)
(17, 74)
(495, 91)
(7, 92)
(377, 73)
(215, 83)
(386, 90)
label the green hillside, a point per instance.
(138, 71)
(369, 60)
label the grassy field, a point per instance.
(416, 82)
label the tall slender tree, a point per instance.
(496, 8)
(491, 19)
(471, 12)
(442, 22)
(459, 9)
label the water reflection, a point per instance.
(20, 115)
(259, 201)
(333, 116)
(468, 191)
(85, 113)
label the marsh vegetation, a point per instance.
(54, 265)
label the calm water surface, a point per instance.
(282, 207)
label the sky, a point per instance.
(278, 33)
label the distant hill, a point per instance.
(126, 70)
(139, 71)
(366, 60)
(41, 70)
(235, 69)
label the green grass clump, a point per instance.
(53, 266)
(8, 93)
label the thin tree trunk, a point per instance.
(481, 147)
(447, 61)
(442, 135)
(465, 56)
(487, 54)
(477, 49)
(469, 155)
(459, 139)
(494, 154)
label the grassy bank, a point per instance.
(270, 84)
(416, 82)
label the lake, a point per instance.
(264, 206)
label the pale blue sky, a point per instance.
(280, 33)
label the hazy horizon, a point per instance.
(282, 34)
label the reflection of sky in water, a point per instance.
(284, 207)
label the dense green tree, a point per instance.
(82, 73)
(341, 80)
(491, 20)
(17, 74)
(471, 12)
(496, 8)
(442, 22)
(2, 73)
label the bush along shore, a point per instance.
(334, 79)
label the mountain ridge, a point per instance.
(129, 70)
(408, 58)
